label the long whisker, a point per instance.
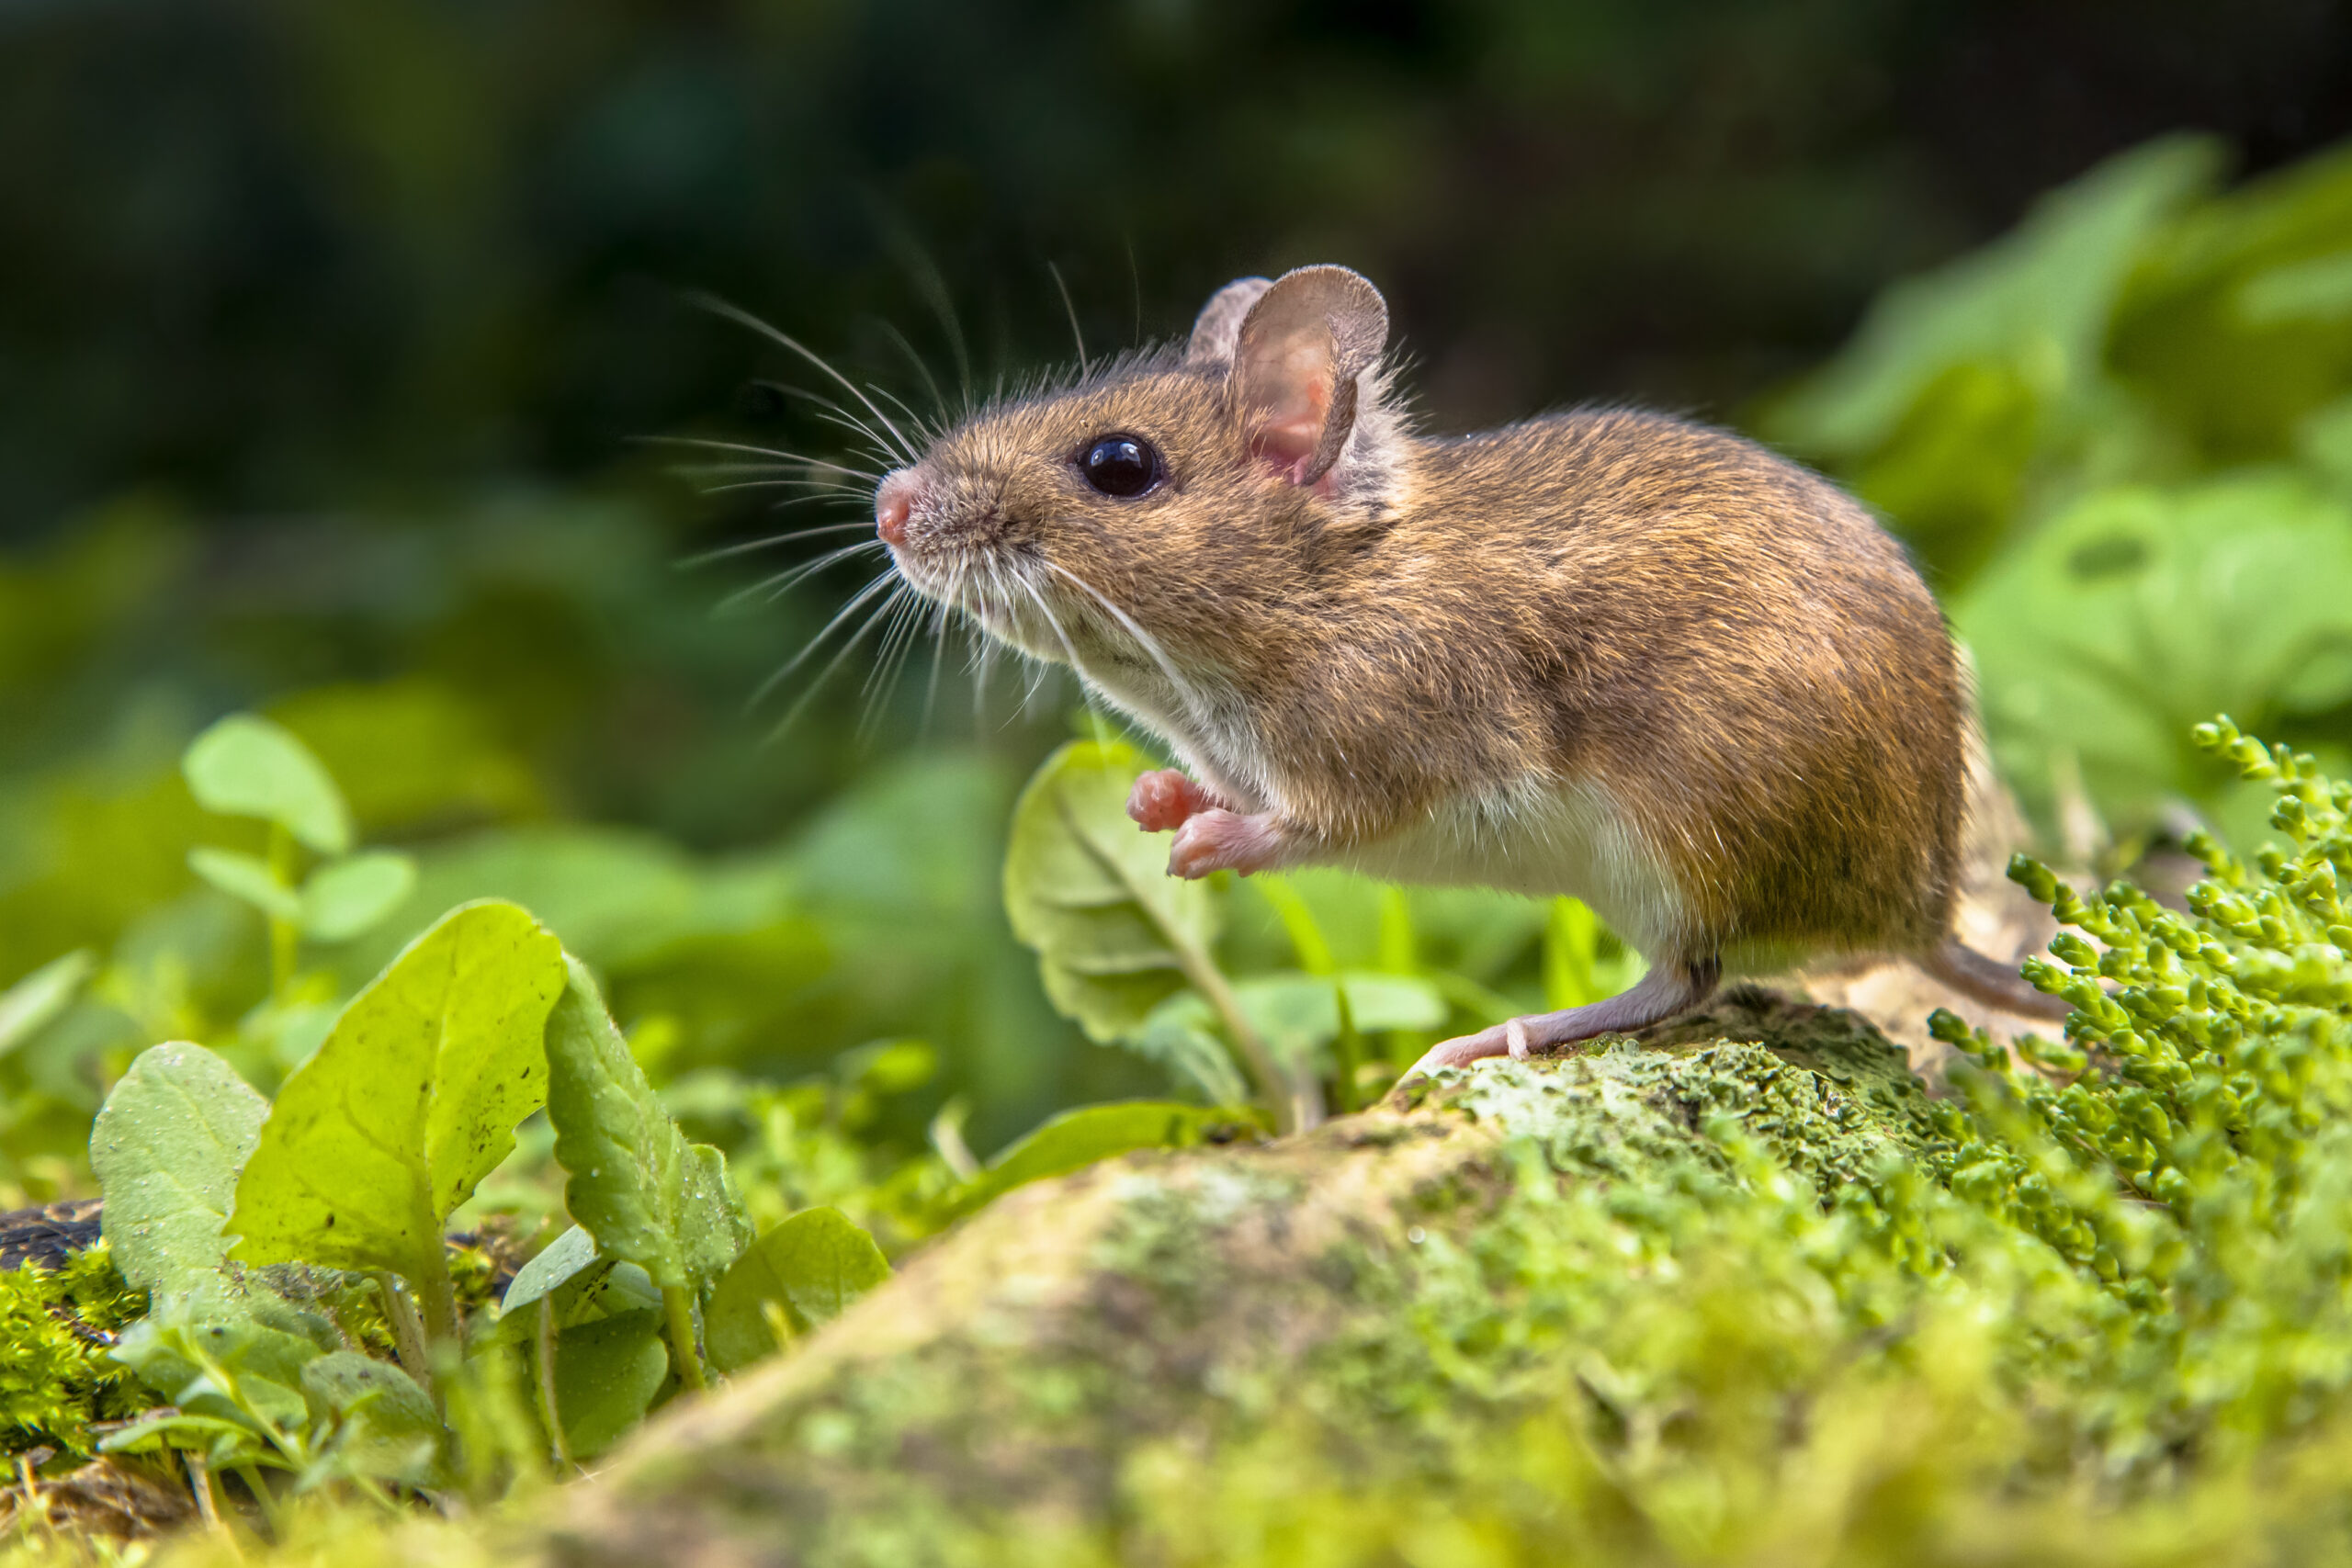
(938, 398)
(818, 489)
(848, 646)
(751, 546)
(745, 446)
(1184, 689)
(863, 595)
(899, 639)
(1053, 621)
(940, 617)
(776, 587)
(744, 318)
(934, 290)
(915, 422)
(1070, 309)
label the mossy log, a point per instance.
(1033, 1376)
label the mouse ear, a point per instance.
(1295, 364)
(1219, 322)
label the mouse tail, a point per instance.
(1991, 982)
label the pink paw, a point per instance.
(1217, 839)
(1167, 799)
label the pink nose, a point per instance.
(893, 505)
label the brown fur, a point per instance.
(1732, 645)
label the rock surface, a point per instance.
(1035, 1374)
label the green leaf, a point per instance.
(581, 1285)
(813, 1266)
(224, 1365)
(558, 1263)
(411, 1101)
(246, 766)
(166, 1148)
(606, 1373)
(344, 898)
(1181, 1034)
(390, 1431)
(33, 1003)
(1299, 1015)
(2138, 612)
(1090, 891)
(247, 877)
(636, 1184)
(1078, 1138)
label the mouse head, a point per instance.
(1126, 522)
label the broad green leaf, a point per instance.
(606, 1373)
(635, 1183)
(411, 1101)
(33, 1003)
(558, 1262)
(2104, 637)
(166, 1148)
(2039, 298)
(247, 877)
(813, 1266)
(1182, 1035)
(246, 766)
(1078, 1138)
(581, 1286)
(222, 1364)
(389, 1429)
(1090, 891)
(346, 896)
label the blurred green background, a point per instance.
(331, 336)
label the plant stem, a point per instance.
(285, 935)
(1347, 1052)
(207, 1501)
(550, 1412)
(407, 1330)
(680, 1306)
(437, 1293)
(1296, 1107)
(257, 1485)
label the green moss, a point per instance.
(55, 1328)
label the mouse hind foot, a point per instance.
(1666, 990)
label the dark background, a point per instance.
(281, 257)
(332, 331)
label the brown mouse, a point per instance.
(1605, 653)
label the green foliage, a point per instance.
(2118, 434)
(805, 1273)
(56, 1378)
(1078, 1138)
(647, 1195)
(1114, 934)
(246, 766)
(410, 1103)
(167, 1148)
(1132, 954)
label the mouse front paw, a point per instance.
(1165, 799)
(1216, 839)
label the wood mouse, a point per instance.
(1604, 653)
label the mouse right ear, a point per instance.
(1219, 322)
(1296, 363)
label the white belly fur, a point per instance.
(1542, 840)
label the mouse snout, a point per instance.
(894, 502)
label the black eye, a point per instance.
(1123, 466)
